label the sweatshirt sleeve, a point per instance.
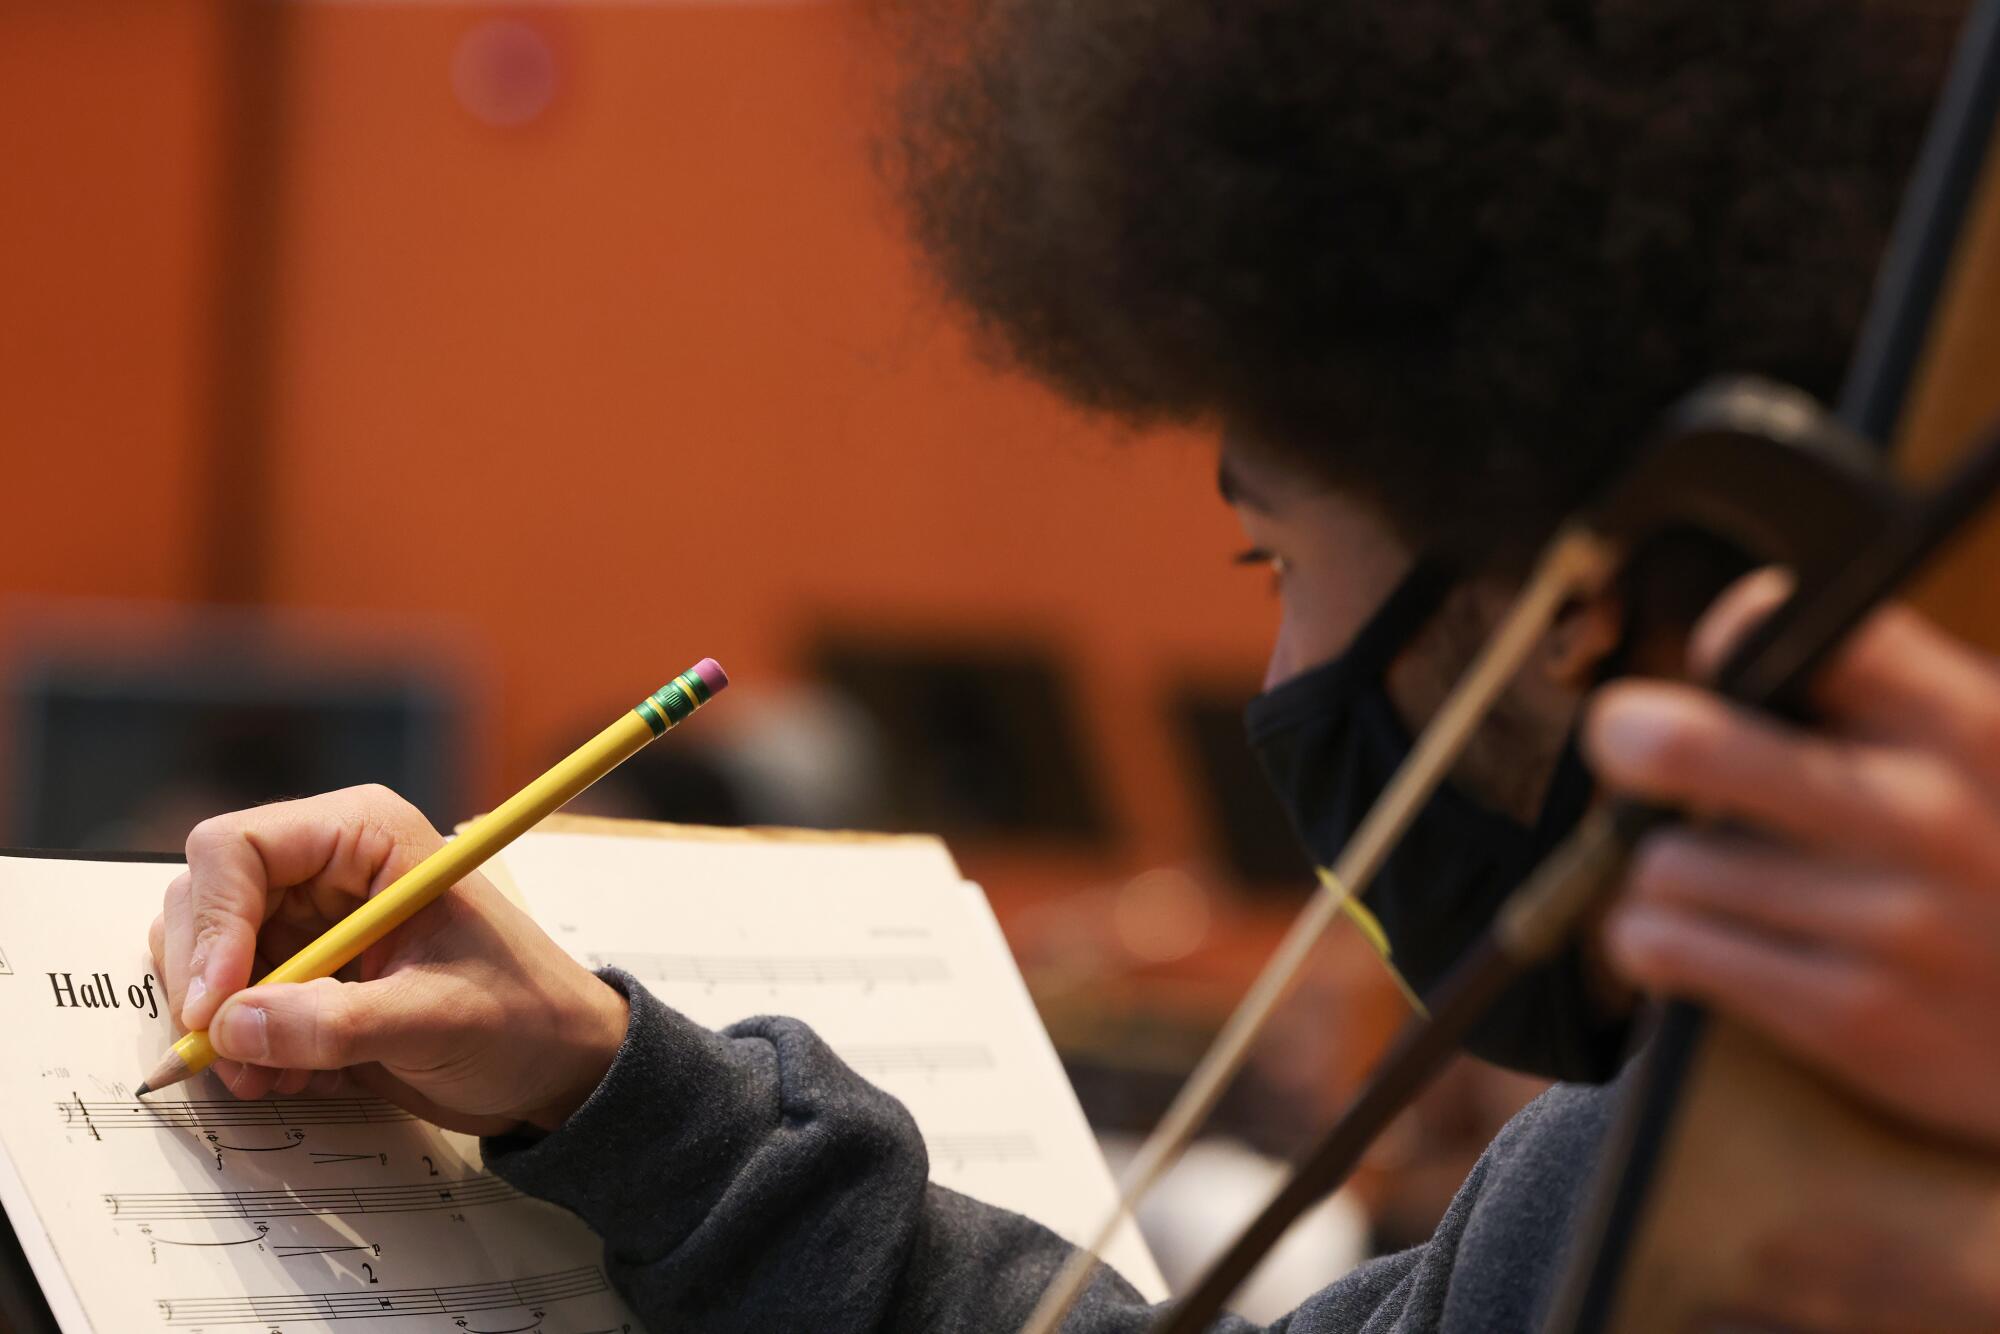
(748, 1180)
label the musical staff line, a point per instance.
(223, 1113)
(532, 1292)
(899, 1058)
(998, 1147)
(796, 970)
(295, 1201)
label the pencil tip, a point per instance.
(166, 1074)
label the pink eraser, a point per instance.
(711, 674)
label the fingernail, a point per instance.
(1630, 728)
(196, 990)
(244, 1031)
(1632, 935)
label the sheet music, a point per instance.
(197, 1212)
(193, 1211)
(894, 959)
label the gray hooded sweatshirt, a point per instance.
(748, 1180)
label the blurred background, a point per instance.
(392, 392)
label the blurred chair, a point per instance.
(976, 740)
(802, 756)
(119, 750)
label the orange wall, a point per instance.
(646, 378)
(105, 156)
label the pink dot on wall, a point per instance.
(504, 72)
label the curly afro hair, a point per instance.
(1453, 255)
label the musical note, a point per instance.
(528, 1293)
(294, 1201)
(83, 1113)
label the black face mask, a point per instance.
(1330, 741)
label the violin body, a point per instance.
(1779, 1201)
(1782, 1203)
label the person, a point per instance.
(1429, 270)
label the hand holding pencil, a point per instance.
(463, 1010)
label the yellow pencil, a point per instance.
(380, 915)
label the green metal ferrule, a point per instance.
(673, 702)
